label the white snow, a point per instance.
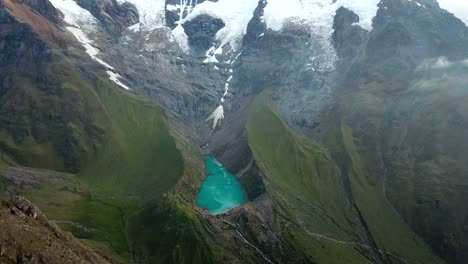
(236, 14)
(178, 33)
(172, 7)
(82, 22)
(135, 28)
(217, 116)
(318, 13)
(152, 13)
(75, 15)
(87, 44)
(210, 58)
(115, 78)
(318, 16)
(181, 38)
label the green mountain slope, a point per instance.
(99, 162)
(59, 112)
(136, 162)
(310, 195)
(412, 148)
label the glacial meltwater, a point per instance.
(221, 191)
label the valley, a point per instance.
(234, 131)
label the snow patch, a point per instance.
(115, 78)
(82, 22)
(87, 44)
(318, 13)
(178, 33)
(75, 15)
(171, 7)
(152, 13)
(216, 116)
(135, 28)
(236, 14)
(318, 16)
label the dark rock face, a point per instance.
(44, 8)
(114, 17)
(201, 32)
(346, 37)
(382, 71)
(172, 16)
(21, 207)
(280, 60)
(30, 82)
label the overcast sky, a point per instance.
(457, 7)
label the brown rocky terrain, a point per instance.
(26, 236)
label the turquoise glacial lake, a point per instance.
(221, 191)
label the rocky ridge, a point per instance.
(27, 237)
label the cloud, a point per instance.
(442, 63)
(458, 7)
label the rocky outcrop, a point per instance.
(22, 208)
(201, 32)
(114, 17)
(393, 82)
(347, 38)
(30, 85)
(44, 8)
(173, 15)
(27, 237)
(26, 178)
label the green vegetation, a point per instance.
(305, 186)
(3, 186)
(50, 118)
(411, 145)
(308, 191)
(86, 214)
(139, 156)
(181, 237)
(136, 162)
(385, 224)
(117, 144)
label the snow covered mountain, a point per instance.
(344, 121)
(215, 29)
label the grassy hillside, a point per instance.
(118, 145)
(308, 192)
(136, 161)
(49, 117)
(306, 188)
(28, 239)
(412, 146)
(182, 240)
(139, 156)
(385, 224)
(61, 113)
